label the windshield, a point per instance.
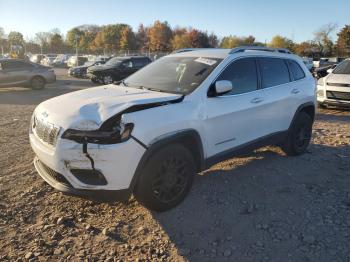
(179, 75)
(343, 68)
(114, 61)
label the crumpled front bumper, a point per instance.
(117, 163)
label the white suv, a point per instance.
(150, 133)
(334, 89)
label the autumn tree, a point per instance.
(281, 42)
(307, 48)
(97, 43)
(213, 40)
(86, 40)
(233, 41)
(127, 39)
(15, 38)
(142, 39)
(198, 39)
(180, 38)
(160, 35)
(323, 38)
(56, 43)
(343, 42)
(73, 37)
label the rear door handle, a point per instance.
(256, 100)
(295, 91)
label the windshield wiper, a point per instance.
(162, 91)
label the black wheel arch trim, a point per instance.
(178, 137)
(301, 108)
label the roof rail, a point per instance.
(259, 48)
(182, 50)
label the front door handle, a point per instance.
(256, 100)
(295, 91)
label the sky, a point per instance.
(295, 19)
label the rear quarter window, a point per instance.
(274, 72)
(296, 70)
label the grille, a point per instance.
(53, 174)
(338, 95)
(47, 132)
(337, 84)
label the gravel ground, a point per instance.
(263, 206)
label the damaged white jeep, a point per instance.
(151, 133)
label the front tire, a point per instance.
(167, 178)
(107, 79)
(299, 135)
(37, 83)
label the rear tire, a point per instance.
(167, 178)
(299, 135)
(37, 83)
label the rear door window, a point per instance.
(274, 72)
(296, 70)
(243, 76)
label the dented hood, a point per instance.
(89, 108)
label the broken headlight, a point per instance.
(119, 134)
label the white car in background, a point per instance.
(334, 89)
(48, 59)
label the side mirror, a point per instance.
(223, 86)
(330, 70)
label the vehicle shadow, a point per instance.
(256, 207)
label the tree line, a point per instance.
(161, 37)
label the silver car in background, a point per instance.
(17, 72)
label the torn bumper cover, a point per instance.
(67, 169)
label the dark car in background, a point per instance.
(116, 69)
(18, 72)
(81, 71)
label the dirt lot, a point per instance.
(260, 207)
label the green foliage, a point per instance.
(281, 42)
(73, 37)
(56, 43)
(127, 39)
(233, 41)
(15, 38)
